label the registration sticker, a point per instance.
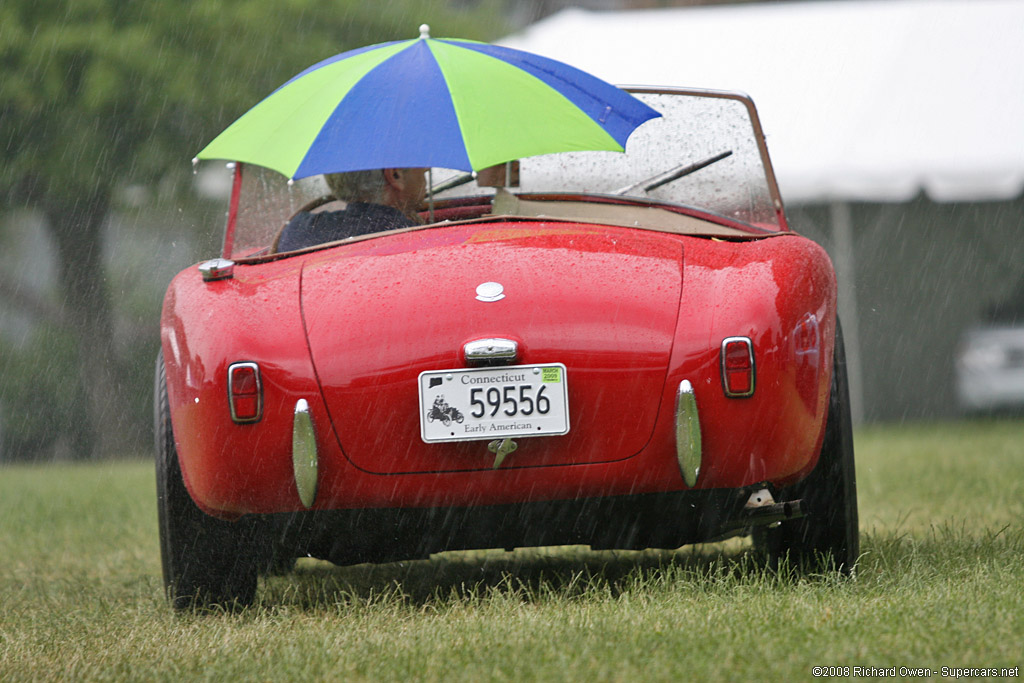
(491, 403)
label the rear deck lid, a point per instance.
(603, 301)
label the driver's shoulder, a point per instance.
(333, 206)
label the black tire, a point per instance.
(828, 537)
(274, 557)
(207, 562)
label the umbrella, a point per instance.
(428, 102)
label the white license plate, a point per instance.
(493, 403)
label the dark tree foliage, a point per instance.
(98, 94)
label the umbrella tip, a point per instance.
(424, 31)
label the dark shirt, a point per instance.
(306, 229)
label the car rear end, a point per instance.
(617, 331)
(642, 358)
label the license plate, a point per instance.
(493, 403)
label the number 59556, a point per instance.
(511, 400)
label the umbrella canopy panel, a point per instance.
(429, 102)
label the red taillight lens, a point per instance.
(738, 367)
(245, 392)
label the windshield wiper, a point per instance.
(676, 173)
(453, 182)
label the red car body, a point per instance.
(704, 329)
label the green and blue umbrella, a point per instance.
(429, 103)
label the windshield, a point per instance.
(711, 140)
(694, 128)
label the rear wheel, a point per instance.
(828, 537)
(206, 561)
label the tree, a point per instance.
(96, 94)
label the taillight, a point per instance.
(245, 392)
(738, 373)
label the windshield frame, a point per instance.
(758, 130)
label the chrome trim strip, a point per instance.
(305, 459)
(259, 392)
(753, 367)
(491, 351)
(688, 445)
(217, 269)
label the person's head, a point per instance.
(401, 188)
(357, 186)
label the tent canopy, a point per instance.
(873, 100)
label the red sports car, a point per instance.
(618, 350)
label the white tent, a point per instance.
(860, 99)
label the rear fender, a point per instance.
(234, 468)
(781, 293)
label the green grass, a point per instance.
(940, 583)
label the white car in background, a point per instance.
(990, 369)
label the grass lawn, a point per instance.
(940, 584)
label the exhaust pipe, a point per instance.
(765, 515)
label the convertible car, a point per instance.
(618, 350)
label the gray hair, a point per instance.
(357, 186)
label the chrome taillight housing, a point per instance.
(738, 372)
(245, 392)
